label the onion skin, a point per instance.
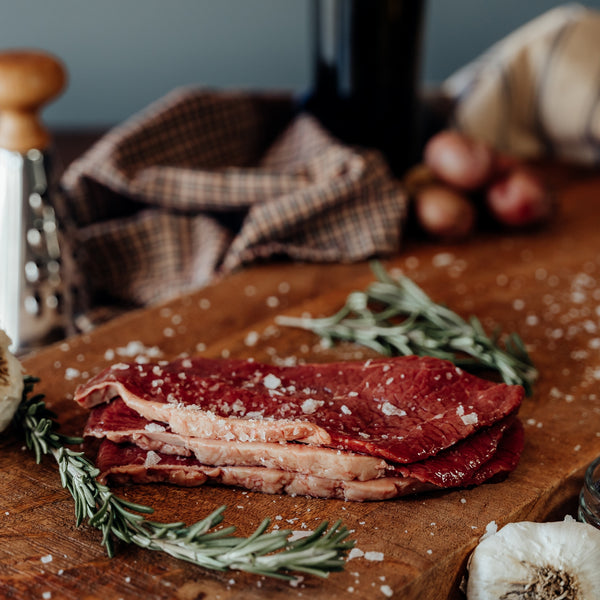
(444, 213)
(520, 199)
(459, 161)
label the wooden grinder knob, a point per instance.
(29, 79)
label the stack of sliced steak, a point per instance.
(353, 430)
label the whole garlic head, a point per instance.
(540, 561)
(11, 382)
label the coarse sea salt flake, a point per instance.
(345, 410)
(490, 529)
(46, 559)
(154, 428)
(271, 381)
(251, 338)
(71, 373)
(387, 591)
(310, 405)
(374, 556)
(387, 408)
(299, 534)
(152, 459)
(355, 553)
(470, 419)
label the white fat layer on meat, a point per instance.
(310, 460)
(193, 421)
(277, 481)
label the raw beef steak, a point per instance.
(400, 409)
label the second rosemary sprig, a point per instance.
(394, 316)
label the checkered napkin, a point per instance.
(535, 94)
(204, 182)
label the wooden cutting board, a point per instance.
(543, 284)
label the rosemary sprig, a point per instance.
(396, 317)
(264, 553)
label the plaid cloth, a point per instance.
(204, 182)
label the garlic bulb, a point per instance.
(11, 382)
(542, 561)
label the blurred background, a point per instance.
(122, 55)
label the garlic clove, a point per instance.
(11, 382)
(541, 561)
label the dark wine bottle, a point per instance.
(366, 69)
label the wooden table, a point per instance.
(543, 284)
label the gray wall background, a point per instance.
(123, 54)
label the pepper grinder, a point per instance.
(33, 296)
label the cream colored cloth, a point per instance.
(536, 93)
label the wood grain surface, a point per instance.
(543, 284)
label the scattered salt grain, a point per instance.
(443, 259)
(46, 559)
(71, 373)
(310, 405)
(374, 556)
(168, 332)
(47, 595)
(250, 290)
(387, 408)
(271, 381)
(470, 419)
(387, 591)
(152, 459)
(154, 428)
(490, 529)
(136, 347)
(251, 338)
(355, 553)
(345, 410)
(298, 534)
(204, 304)
(272, 301)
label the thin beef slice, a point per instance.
(124, 463)
(401, 409)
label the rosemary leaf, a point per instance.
(396, 317)
(265, 553)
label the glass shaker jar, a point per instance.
(589, 498)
